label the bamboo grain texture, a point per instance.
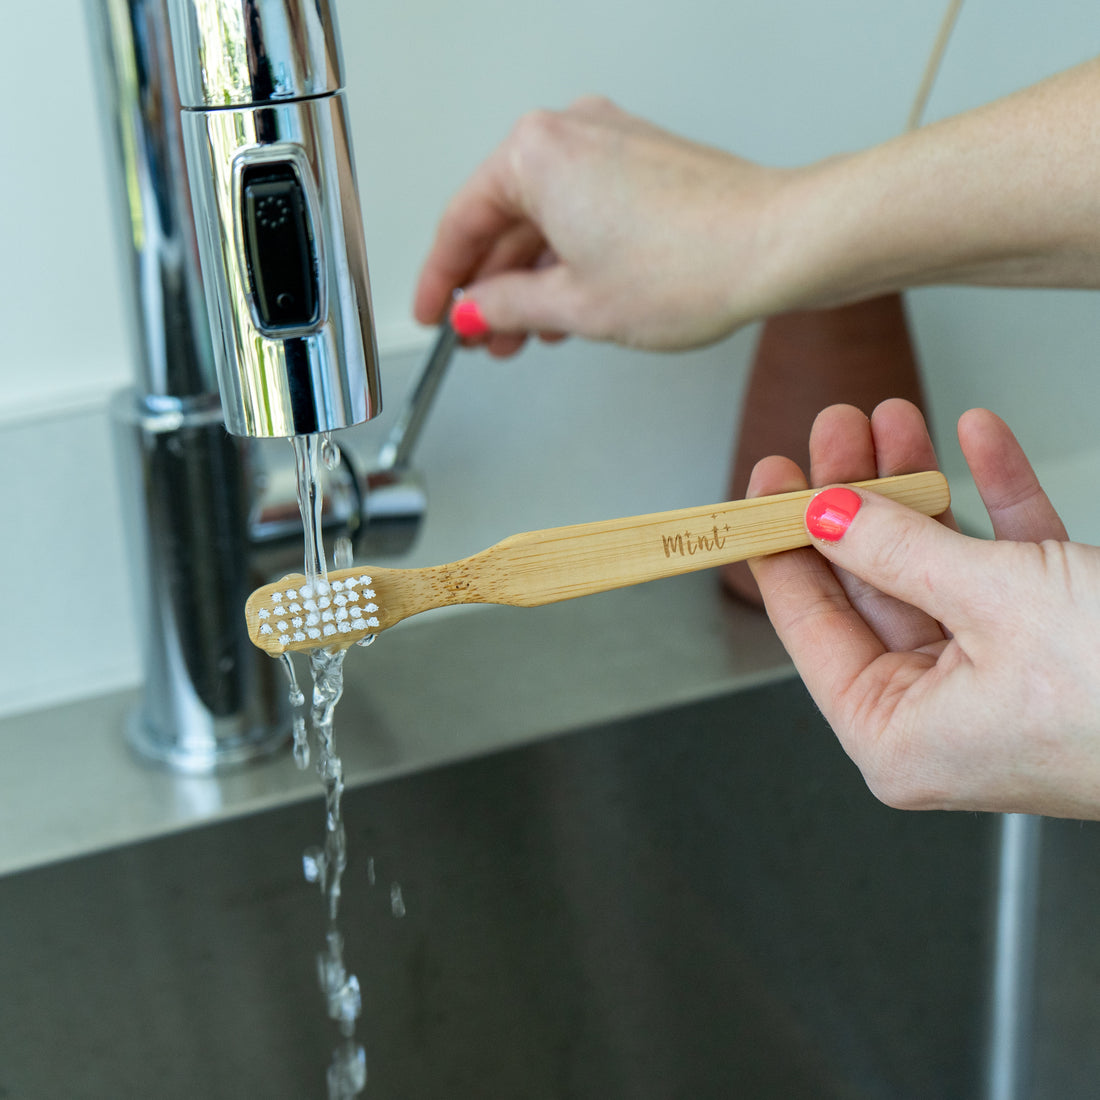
(559, 563)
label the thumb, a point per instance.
(899, 551)
(517, 302)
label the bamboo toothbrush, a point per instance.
(541, 567)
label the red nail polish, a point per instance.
(466, 319)
(831, 512)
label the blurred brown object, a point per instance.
(858, 354)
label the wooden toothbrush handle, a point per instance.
(540, 567)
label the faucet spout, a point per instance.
(265, 131)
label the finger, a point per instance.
(504, 345)
(798, 585)
(847, 446)
(841, 446)
(903, 444)
(775, 475)
(1013, 497)
(899, 551)
(540, 299)
(485, 210)
(520, 247)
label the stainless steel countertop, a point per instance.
(435, 690)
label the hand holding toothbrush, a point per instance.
(958, 673)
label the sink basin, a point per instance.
(695, 900)
(700, 902)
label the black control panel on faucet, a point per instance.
(279, 248)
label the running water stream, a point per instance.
(325, 864)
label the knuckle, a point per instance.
(535, 128)
(593, 104)
(892, 557)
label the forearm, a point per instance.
(1007, 194)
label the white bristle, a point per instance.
(326, 609)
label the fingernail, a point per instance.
(466, 319)
(831, 512)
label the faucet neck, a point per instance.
(170, 329)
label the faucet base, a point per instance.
(202, 755)
(211, 699)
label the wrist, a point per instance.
(831, 239)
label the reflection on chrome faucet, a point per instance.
(280, 235)
(277, 316)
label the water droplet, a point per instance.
(397, 901)
(296, 695)
(347, 1074)
(314, 865)
(330, 452)
(301, 741)
(342, 553)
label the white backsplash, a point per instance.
(561, 434)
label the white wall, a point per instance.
(562, 434)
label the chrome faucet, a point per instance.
(280, 236)
(251, 316)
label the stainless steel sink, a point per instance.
(698, 901)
